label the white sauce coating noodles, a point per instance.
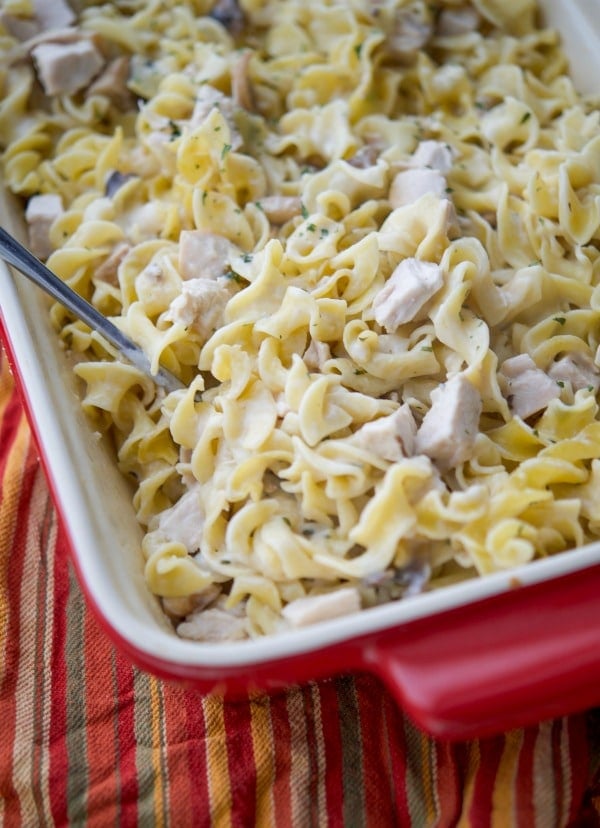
(366, 236)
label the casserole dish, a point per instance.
(466, 660)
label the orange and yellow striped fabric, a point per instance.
(86, 739)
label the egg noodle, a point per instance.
(323, 217)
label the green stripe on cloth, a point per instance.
(77, 780)
(352, 748)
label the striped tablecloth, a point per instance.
(86, 739)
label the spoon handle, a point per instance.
(26, 263)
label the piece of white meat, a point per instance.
(204, 255)
(21, 28)
(112, 84)
(184, 521)
(409, 185)
(41, 212)
(449, 429)
(313, 608)
(53, 14)
(391, 437)
(241, 89)
(411, 29)
(48, 15)
(316, 355)
(186, 605)
(108, 270)
(213, 625)
(365, 157)
(207, 98)
(279, 209)
(526, 387)
(200, 306)
(457, 21)
(433, 155)
(409, 288)
(578, 369)
(65, 68)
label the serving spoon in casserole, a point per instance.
(15, 254)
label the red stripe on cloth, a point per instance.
(126, 743)
(334, 787)
(397, 757)
(59, 763)
(192, 764)
(377, 771)
(12, 576)
(283, 760)
(448, 784)
(242, 769)
(524, 803)
(490, 753)
(579, 755)
(103, 784)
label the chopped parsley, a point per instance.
(526, 117)
(560, 319)
(225, 150)
(304, 211)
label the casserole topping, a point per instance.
(366, 236)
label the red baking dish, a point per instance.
(467, 660)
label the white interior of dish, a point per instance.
(96, 501)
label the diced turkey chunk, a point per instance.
(213, 625)
(409, 185)
(41, 212)
(112, 83)
(180, 607)
(154, 289)
(526, 387)
(578, 369)
(391, 437)
(313, 608)
(207, 98)
(457, 21)
(53, 14)
(64, 68)
(48, 15)
(204, 255)
(21, 28)
(200, 306)
(409, 287)
(365, 157)
(316, 355)
(449, 429)
(279, 209)
(241, 90)
(107, 271)
(229, 14)
(411, 30)
(433, 154)
(183, 522)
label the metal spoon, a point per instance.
(26, 263)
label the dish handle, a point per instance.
(513, 660)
